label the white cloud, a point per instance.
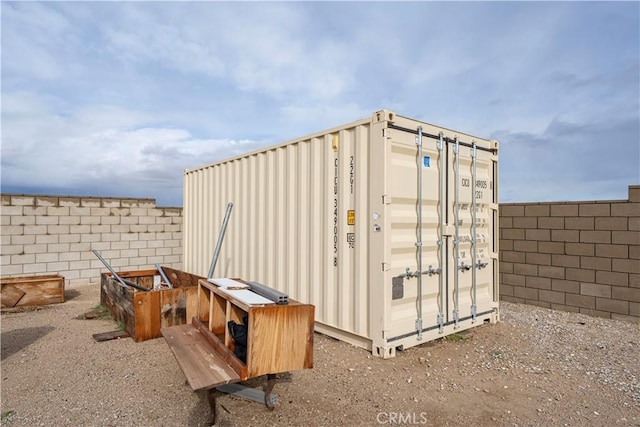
(159, 87)
(103, 148)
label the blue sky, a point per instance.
(118, 98)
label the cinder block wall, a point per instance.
(55, 235)
(574, 256)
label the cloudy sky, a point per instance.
(117, 99)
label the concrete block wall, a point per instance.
(574, 256)
(55, 235)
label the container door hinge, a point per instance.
(386, 200)
(419, 328)
(385, 266)
(440, 320)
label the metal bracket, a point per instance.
(440, 320)
(464, 268)
(480, 265)
(265, 396)
(430, 272)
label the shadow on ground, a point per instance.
(16, 340)
(70, 294)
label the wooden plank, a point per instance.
(280, 339)
(119, 300)
(173, 307)
(181, 279)
(222, 350)
(107, 336)
(10, 295)
(143, 278)
(38, 290)
(218, 323)
(191, 296)
(204, 301)
(146, 306)
(202, 366)
(28, 279)
(130, 275)
(95, 314)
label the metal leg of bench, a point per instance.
(268, 387)
(213, 394)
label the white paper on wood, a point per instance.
(226, 283)
(248, 297)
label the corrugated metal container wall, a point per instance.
(333, 220)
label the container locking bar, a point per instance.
(441, 220)
(456, 240)
(430, 272)
(419, 237)
(474, 232)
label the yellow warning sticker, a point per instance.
(351, 217)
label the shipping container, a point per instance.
(388, 225)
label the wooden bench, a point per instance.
(279, 339)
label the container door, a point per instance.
(442, 241)
(415, 186)
(472, 214)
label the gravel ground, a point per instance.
(535, 368)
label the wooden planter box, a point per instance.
(31, 290)
(144, 313)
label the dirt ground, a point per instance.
(535, 368)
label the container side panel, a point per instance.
(300, 237)
(292, 226)
(360, 172)
(330, 305)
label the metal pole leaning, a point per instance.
(223, 230)
(164, 276)
(115, 275)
